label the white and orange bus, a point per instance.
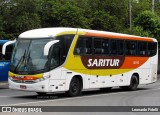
(69, 59)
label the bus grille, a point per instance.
(26, 81)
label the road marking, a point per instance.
(71, 98)
(5, 96)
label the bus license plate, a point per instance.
(23, 87)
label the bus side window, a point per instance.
(55, 56)
(105, 46)
(98, 46)
(101, 46)
(113, 47)
(83, 46)
(142, 47)
(65, 43)
(152, 49)
(131, 48)
(120, 44)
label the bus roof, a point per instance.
(45, 32)
(51, 32)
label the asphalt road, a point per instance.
(146, 95)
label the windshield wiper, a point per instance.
(21, 60)
(28, 57)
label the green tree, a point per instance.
(137, 30)
(149, 22)
(101, 20)
(111, 16)
(62, 13)
(142, 5)
(97, 14)
(19, 16)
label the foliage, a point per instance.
(137, 30)
(149, 22)
(101, 20)
(17, 16)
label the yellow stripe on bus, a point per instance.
(37, 75)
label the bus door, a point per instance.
(55, 55)
(56, 72)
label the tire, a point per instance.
(41, 93)
(107, 89)
(133, 84)
(75, 88)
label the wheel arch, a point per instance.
(75, 86)
(69, 79)
(79, 77)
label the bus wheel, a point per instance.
(41, 93)
(106, 89)
(134, 83)
(75, 88)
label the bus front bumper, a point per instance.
(35, 87)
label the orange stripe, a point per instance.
(119, 36)
(133, 62)
(25, 78)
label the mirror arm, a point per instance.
(48, 46)
(5, 45)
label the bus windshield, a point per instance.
(28, 56)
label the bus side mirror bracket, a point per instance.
(48, 46)
(5, 45)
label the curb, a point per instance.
(2, 84)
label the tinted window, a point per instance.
(56, 57)
(113, 47)
(8, 53)
(65, 42)
(9, 50)
(142, 47)
(105, 46)
(120, 44)
(64, 45)
(152, 49)
(130, 48)
(101, 46)
(98, 46)
(83, 46)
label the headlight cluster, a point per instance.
(42, 79)
(10, 78)
(29, 80)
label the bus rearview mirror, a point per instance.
(5, 45)
(48, 46)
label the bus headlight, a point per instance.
(42, 79)
(10, 78)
